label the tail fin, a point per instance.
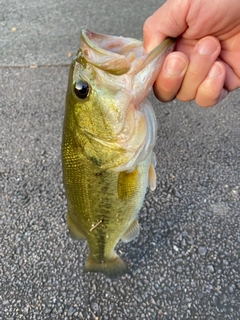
(113, 268)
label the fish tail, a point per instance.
(113, 268)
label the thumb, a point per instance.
(168, 20)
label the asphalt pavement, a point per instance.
(185, 263)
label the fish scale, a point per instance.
(106, 171)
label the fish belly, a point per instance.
(102, 205)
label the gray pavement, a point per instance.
(185, 263)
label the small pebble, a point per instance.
(202, 251)
(210, 269)
(71, 311)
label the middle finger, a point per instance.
(201, 60)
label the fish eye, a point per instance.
(81, 89)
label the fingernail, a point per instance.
(215, 71)
(223, 94)
(175, 65)
(207, 46)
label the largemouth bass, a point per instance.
(108, 137)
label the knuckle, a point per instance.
(147, 26)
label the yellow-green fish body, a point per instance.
(108, 137)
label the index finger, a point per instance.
(168, 20)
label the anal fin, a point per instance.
(132, 232)
(73, 229)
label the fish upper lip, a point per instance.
(123, 49)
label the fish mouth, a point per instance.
(110, 53)
(116, 53)
(120, 55)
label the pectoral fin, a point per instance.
(132, 232)
(152, 177)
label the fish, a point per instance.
(109, 132)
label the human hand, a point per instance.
(206, 63)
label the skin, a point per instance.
(108, 137)
(206, 63)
